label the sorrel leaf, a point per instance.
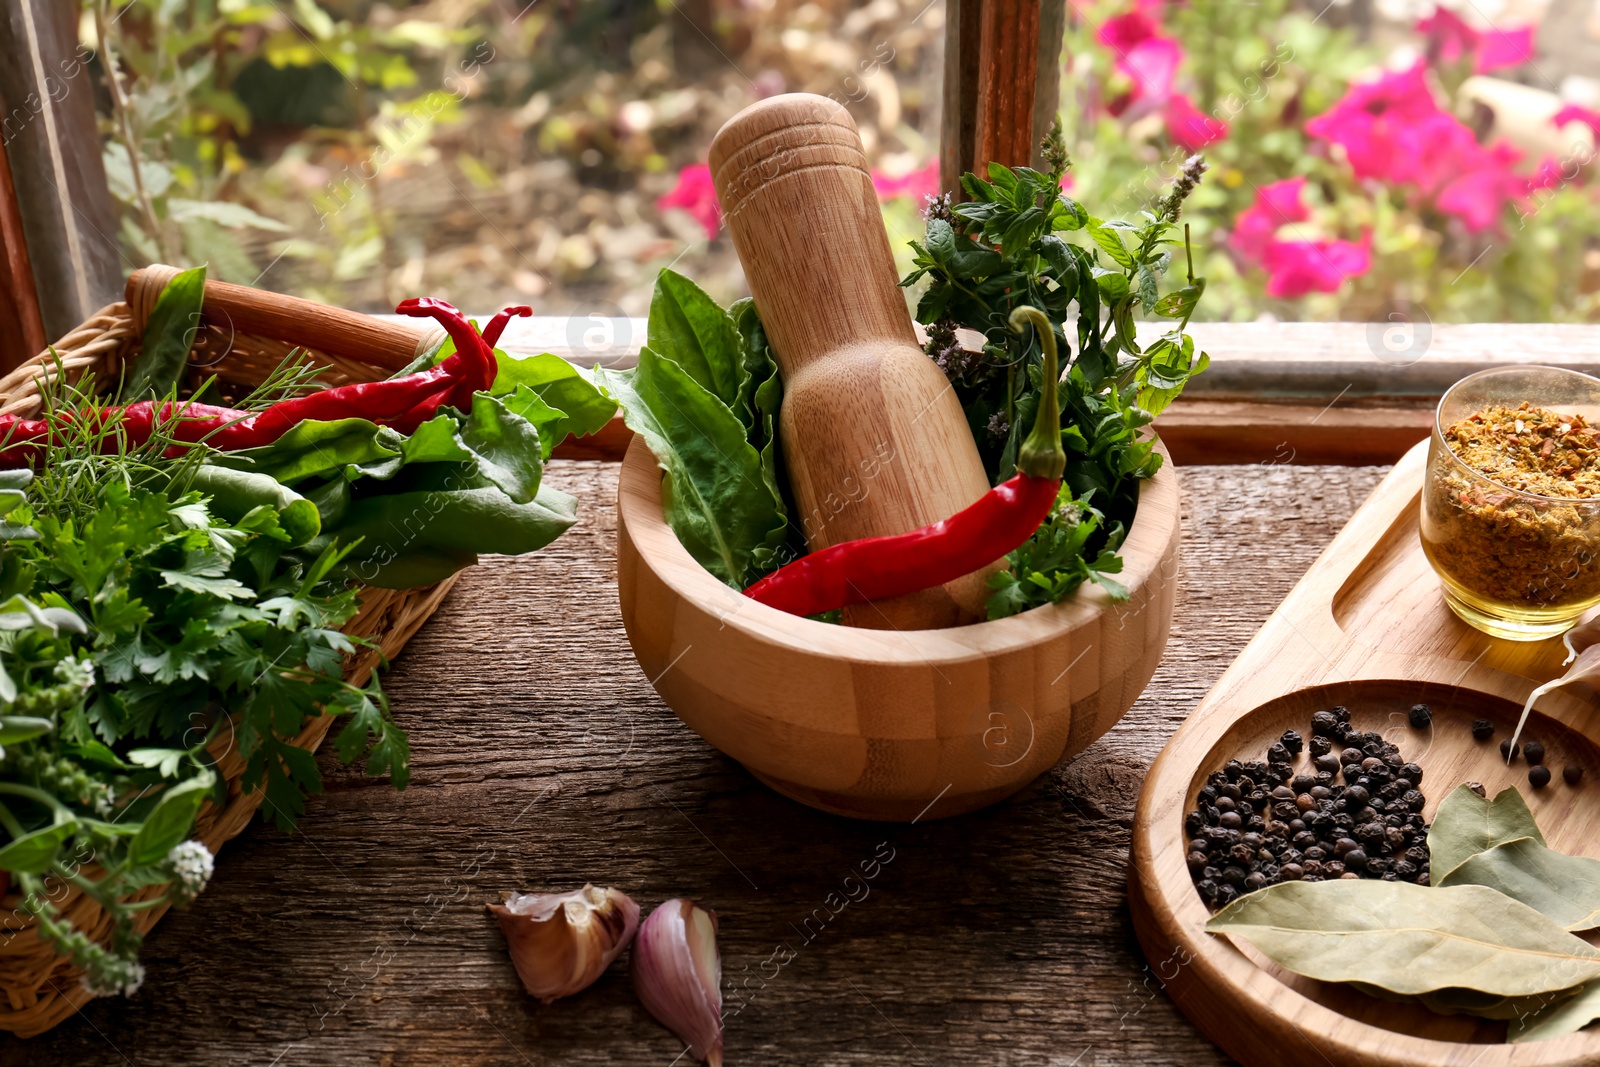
(715, 495)
(168, 336)
(690, 329)
(1410, 939)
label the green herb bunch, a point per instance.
(147, 630)
(1004, 247)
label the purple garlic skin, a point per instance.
(561, 942)
(677, 973)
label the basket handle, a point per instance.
(330, 330)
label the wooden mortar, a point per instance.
(874, 439)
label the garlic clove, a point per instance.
(561, 942)
(677, 973)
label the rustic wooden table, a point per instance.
(543, 759)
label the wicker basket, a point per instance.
(244, 335)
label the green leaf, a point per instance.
(715, 494)
(1408, 938)
(15, 728)
(1563, 1017)
(1113, 285)
(1467, 824)
(687, 327)
(445, 529)
(564, 387)
(168, 336)
(169, 822)
(1564, 888)
(1111, 244)
(505, 446)
(235, 493)
(1179, 304)
(316, 448)
(224, 213)
(33, 853)
(164, 761)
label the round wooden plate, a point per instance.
(1365, 629)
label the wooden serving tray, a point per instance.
(1366, 627)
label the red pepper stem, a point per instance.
(1041, 454)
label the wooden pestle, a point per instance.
(874, 439)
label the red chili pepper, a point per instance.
(877, 568)
(401, 403)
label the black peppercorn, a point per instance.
(1326, 763)
(1538, 776)
(1482, 729)
(1508, 751)
(1197, 862)
(1355, 859)
(1355, 796)
(1255, 880)
(1341, 713)
(1320, 745)
(1278, 754)
(1333, 869)
(1226, 894)
(1572, 773)
(1421, 716)
(1316, 852)
(1234, 875)
(1323, 723)
(1411, 773)
(1350, 755)
(1291, 872)
(1533, 752)
(1230, 820)
(1417, 854)
(1292, 741)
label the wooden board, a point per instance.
(1367, 628)
(540, 751)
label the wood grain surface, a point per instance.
(542, 759)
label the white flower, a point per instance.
(191, 864)
(78, 672)
(110, 975)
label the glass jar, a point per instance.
(1514, 563)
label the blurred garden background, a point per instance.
(1366, 155)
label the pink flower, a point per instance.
(1450, 37)
(1576, 113)
(1277, 204)
(1122, 33)
(917, 184)
(695, 193)
(1505, 48)
(1145, 58)
(1394, 131)
(1295, 268)
(1191, 128)
(1372, 118)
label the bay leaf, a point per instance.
(1564, 1017)
(1467, 824)
(1564, 888)
(1455, 1001)
(1410, 939)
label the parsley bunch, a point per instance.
(1003, 248)
(147, 630)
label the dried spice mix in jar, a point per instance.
(1511, 510)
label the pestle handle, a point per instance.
(798, 199)
(874, 439)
